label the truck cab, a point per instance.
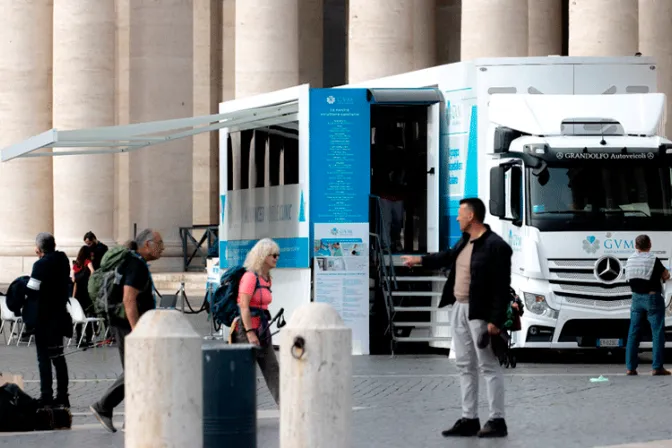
(574, 180)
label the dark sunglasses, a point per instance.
(275, 255)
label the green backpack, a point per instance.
(107, 300)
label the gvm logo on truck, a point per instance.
(610, 245)
(591, 244)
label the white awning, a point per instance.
(118, 139)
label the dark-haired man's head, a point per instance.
(471, 212)
(90, 239)
(643, 243)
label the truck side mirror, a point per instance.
(497, 192)
(503, 138)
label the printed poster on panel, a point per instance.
(341, 272)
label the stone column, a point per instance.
(448, 27)
(84, 83)
(123, 228)
(424, 34)
(207, 84)
(655, 39)
(335, 42)
(26, 201)
(161, 87)
(545, 27)
(228, 50)
(267, 46)
(494, 28)
(603, 27)
(311, 42)
(380, 38)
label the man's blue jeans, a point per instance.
(653, 307)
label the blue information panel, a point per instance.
(340, 156)
(340, 180)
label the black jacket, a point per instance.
(99, 251)
(16, 294)
(489, 295)
(47, 295)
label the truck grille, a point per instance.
(586, 332)
(575, 282)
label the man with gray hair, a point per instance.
(45, 310)
(136, 293)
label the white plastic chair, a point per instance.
(7, 316)
(79, 318)
(23, 328)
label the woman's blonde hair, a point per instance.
(256, 257)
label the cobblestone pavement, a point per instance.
(407, 401)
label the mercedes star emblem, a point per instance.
(608, 269)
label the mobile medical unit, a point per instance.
(566, 151)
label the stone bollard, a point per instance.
(315, 379)
(163, 383)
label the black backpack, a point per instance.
(18, 410)
(224, 306)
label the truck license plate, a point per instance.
(609, 343)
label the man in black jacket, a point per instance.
(47, 295)
(478, 288)
(98, 249)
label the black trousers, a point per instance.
(115, 394)
(266, 359)
(49, 345)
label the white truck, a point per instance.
(569, 155)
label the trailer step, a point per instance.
(422, 279)
(416, 308)
(423, 339)
(416, 294)
(421, 324)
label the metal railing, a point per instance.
(193, 248)
(383, 261)
(376, 217)
(385, 279)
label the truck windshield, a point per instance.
(632, 195)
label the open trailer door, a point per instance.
(433, 148)
(412, 116)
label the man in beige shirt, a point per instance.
(478, 288)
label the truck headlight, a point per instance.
(536, 303)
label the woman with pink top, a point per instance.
(254, 297)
